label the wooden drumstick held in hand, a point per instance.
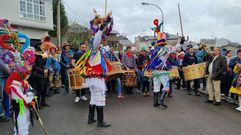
(40, 120)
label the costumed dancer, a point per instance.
(95, 67)
(157, 63)
(10, 49)
(22, 99)
(6, 50)
(20, 91)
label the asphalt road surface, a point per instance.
(186, 115)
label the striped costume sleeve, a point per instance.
(17, 93)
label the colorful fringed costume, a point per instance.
(159, 66)
(95, 67)
(18, 58)
(21, 96)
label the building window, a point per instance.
(33, 9)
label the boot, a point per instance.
(156, 97)
(91, 119)
(189, 92)
(100, 117)
(163, 96)
(196, 92)
(56, 91)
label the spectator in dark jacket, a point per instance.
(40, 75)
(143, 81)
(191, 59)
(65, 62)
(235, 60)
(215, 68)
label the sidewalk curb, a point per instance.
(222, 98)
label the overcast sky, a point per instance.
(201, 18)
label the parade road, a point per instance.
(135, 115)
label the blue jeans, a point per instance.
(2, 82)
(3, 101)
(7, 105)
(139, 79)
(118, 86)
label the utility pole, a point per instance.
(58, 24)
(105, 8)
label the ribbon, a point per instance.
(26, 44)
(83, 59)
(22, 109)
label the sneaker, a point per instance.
(217, 103)
(121, 97)
(208, 101)
(4, 119)
(77, 99)
(238, 108)
(84, 98)
(148, 94)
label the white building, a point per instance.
(31, 17)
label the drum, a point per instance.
(76, 81)
(193, 72)
(116, 71)
(129, 79)
(174, 73)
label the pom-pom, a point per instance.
(7, 57)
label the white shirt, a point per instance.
(210, 68)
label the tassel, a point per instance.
(22, 109)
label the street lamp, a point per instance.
(144, 3)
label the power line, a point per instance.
(80, 18)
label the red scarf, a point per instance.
(129, 54)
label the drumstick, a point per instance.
(40, 120)
(180, 18)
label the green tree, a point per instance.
(63, 19)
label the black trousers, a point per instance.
(226, 83)
(145, 86)
(41, 88)
(111, 85)
(80, 93)
(181, 80)
(170, 83)
(188, 84)
(64, 79)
